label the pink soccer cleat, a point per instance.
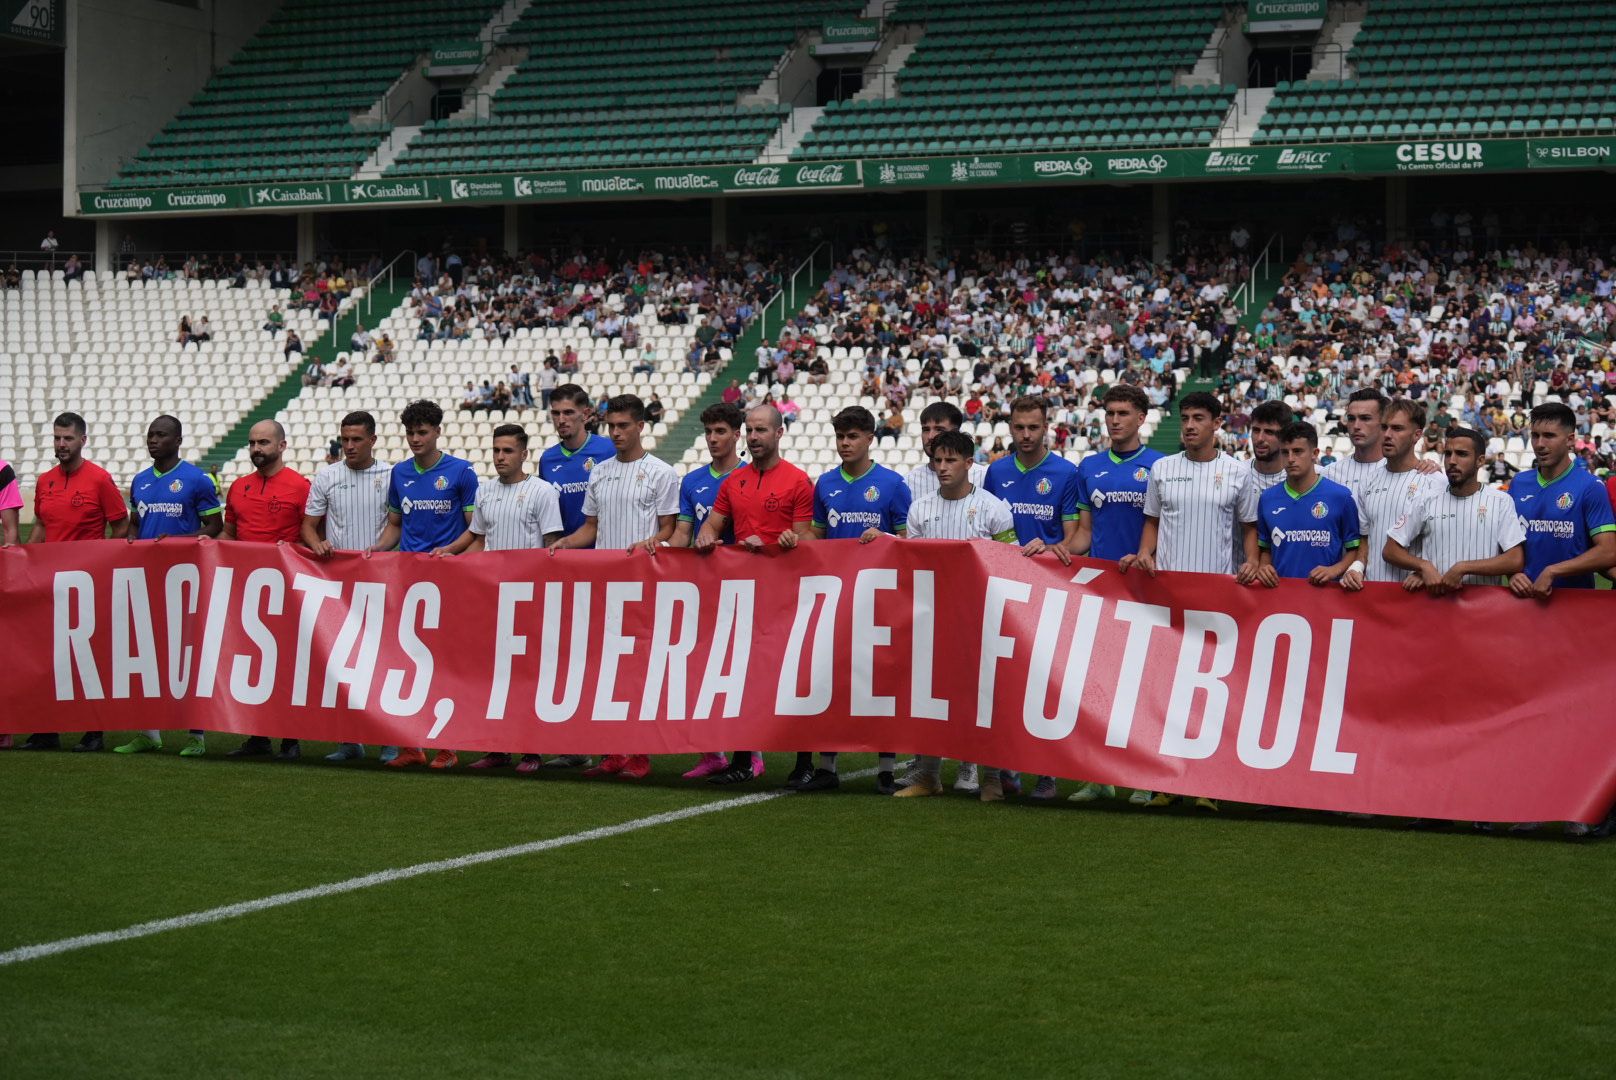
(709, 764)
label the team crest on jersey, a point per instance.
(1564, 501)
(1043, 486)
(1141, 474)
(441, 483)
(871, 493)
(589, 463)
(380, 483)
(970, 515)
(1217, 480)
(1481, 514)
(1319, 510)
(1413, 487)
(174, 485)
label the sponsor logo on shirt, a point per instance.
(1311, 537)
(1113, 498)
(1559, 530)
(573, 488)
(426, 506)
(1041, 511)
(162, 509)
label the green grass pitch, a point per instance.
(825, 935)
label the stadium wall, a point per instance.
(131, 66)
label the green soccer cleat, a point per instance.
(1092, 792)
(139, 745)
(196, 746)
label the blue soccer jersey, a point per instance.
(1042, 498)
(569, 471)
(697, 492)
(845, 507)
(432, 503)
(1304, 530)
(1111, 490)
(1561, 518)
(173, 503)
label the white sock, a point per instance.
(154, 736)
(827, 761)
(886, 762)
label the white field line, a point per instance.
(386, 877)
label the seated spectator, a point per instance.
(359, 341)
(891, 425)
(341, 373)
(293, 344)
(485, 396)
(655, 410)
(426, 331)
(501, 399)
(646, 364)
(788, 410)
(275, 321)
(471, 400)
(732, 393)
(314, 374)
(569, 361)
(204, 331)
(73, 270)
(185, 333)
(386, 351)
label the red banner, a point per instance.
(1459, 707)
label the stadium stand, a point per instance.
(107, 348)
(517, 313)
(668, 98)
(1479, 68)
(995, 77)
(894, 333)
(1478, 339)
(282, 109)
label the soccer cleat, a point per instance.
(1577, 828)
(1521, 828)
(388, 755)
(5, 742)
(884, 784)
(1011, 782)
(348, 751)
(992, 786)
(291, 750)
(140, 744)
(1204, 803)
(195, 746)
(637, 767)
(1482, 826)
(821, 780)
(1141, 797)
(1092, 792)
(492, 761)
(610, 765)
(709, 764)
(407, 756)
(1045, 788)
(757, 763)
(735, 774)
(920, 785)
(568, 761)
(48, 740)
(530, 763)
(90, 744)
(1162, 798)
(444, 759)
(255, 746)
(966, 779)
(800, 775)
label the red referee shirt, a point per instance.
(78, 505)
(267, 510)
(765, 504)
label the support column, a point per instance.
(934, 224)
(1161, 222)
(105, 243)
(720, 235)
(305, 239)
(1396, 208)
(513, 237)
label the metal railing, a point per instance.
(385, 274)
(38, 259)
(789, 287)
(1246, 294)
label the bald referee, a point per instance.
(767, 501)
(632, 501)
(347, 509)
